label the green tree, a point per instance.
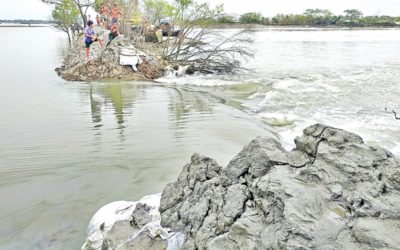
(336, 20)
(225, 18)
(353, 15)
(265, 21)
(81, 5)
(66, 15)
(386, 21)
(252, 17)
(156, 10)
(129, 9)
(318, 16)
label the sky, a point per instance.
(24, 9)
(273, 7)
(34, 9)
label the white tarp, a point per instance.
(129, 57)
(130, 60)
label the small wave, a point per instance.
(396, 150)
(286, 84)
(299, 86)
(279, 120)
(197, 80)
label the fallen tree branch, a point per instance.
(395, 115)
(209, 51)
(202, 48)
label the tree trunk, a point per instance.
(82, 13)
(69, 38)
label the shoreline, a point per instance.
(24, 25)
(241, 26)
(301, 27)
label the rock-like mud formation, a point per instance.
(331, 192)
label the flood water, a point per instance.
(68, 148)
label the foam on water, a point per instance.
(196, 80)
(358, 100)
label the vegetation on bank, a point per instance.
(156, 11)
(27, 21)
(315, 17)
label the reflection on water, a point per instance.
(182, 103)
(122, 97)
(111, 95)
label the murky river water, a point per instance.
(66, 149)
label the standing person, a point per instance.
(98, 20)
(90, 38)
(115, 14)
(104, 13)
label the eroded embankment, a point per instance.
(104, 63)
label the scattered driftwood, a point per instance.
(395, 115)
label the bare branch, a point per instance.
(198, 46)
(395, 115)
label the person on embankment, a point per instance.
(90, 38)
(113, 34)
(115, 14)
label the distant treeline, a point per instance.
(29, 21)
(314, 17)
